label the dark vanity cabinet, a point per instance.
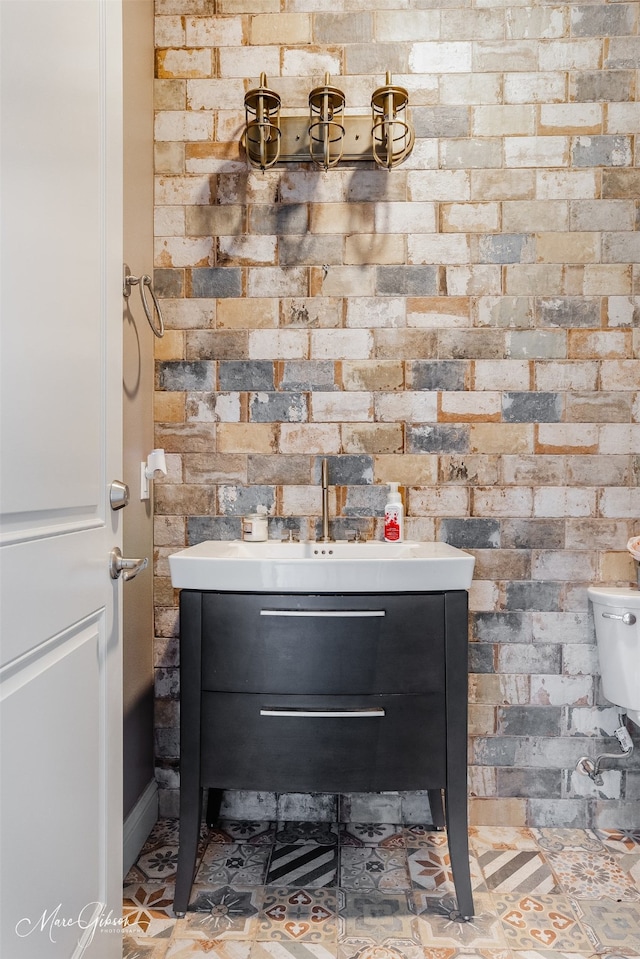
(324, 693)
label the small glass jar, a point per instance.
(255, 527)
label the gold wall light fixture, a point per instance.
(326, 130)
(262, 134)
(392, 134)
(326, 136)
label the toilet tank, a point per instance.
(616, 612)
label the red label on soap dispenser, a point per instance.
(392, 528)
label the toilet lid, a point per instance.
(627, 597)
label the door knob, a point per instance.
(128, 567)
(118, 494)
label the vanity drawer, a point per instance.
(323, 743)
(363, 644)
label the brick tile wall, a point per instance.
(467, 324)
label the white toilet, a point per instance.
(616, 612)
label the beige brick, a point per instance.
(484, 597)
(564, 565)
(619, 502)
(183, 251)
(472, 153)
(339, 218)
(372, 438)
(436, 312)
(347, 281)
(214, 31)
(279, 28)
(506, 501)
(470, 88)
(533, 470)
(538, 22)
(622, 118)
(469, 469)
(169, 94)
(598, 407)
(621, 310)
(610, 344)
(469, 217)
(171, 346)
(618, 438)
(311, 312)
(501, 374)
(502, 690)
(501, 438)
(311, 62)
(439, 501)
(566, 184)
(503, 184)
(276, 281)
(607, 280)
(437, 248)
(391, 26)
(279, 344)
(566, 438)
(424, 185)
(617, 568)
(531, 279)
(247, 6)
(301, 501)
(534, 216)
(476, 280)
(372, 312)
(247, 437)
(467, 407)
(411, 344)
(341, 407)
(414, 217)
(341, 344)
(407, 406)
(409, 469)
(169, 31)
(215, 468)
(210, 94)
(169, 221)
(563, 502)
(540, 151)
(173, 64)
(566, 54)
(568, 247)
(372, 375)
(528, 87)
(176, 190)
(249, 62)
(214, 157)
(570, 118)
(504, 120)
(563, 375)
(436, 57)
(196, 314)
(374, 248)
(310, 438)
(504, 311)
(246, 250)
(242, 314)
(168, 407)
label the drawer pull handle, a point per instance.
(373, 713)
(355, 613)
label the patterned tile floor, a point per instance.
(378, 891)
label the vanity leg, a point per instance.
(456, 815)
(190, 814)
(437, 810)
(214, 801)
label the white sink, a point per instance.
(321, 567)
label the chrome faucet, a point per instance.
(325, 501)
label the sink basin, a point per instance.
(339, 567)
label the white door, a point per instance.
(61, 382)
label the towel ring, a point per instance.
(145, 280)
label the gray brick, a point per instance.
(279, 219)
(580, 659)
(532, 407)
(533, 595)
(265, 407)
(529, 720)
(568, 311)
(346, 471)
(307, 807)
(506, 248)
(217, 344)
(612, 151)
(308, 375)
(239, 500)
(437, 439)
(216, 282)
(441, 121)
(439, 374)
(246, 375)
(614, 86)
(525, 658)
(491, 627)
(168, 283)
(481, 658)
(623, 54)
(167, 683)
(370, 807)
(471, 533)
(530, 783)
(533, 533)
(249, 805)
(407, 280)
(310, 250)
(374, 185)
(471, 344)
(557, 813)
(201, 528)
(611, 20)
(185, 375)
(366, 501)
(537, 344)
(365, 58)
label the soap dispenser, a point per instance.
(394, 516)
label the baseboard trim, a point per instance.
(138, 825)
